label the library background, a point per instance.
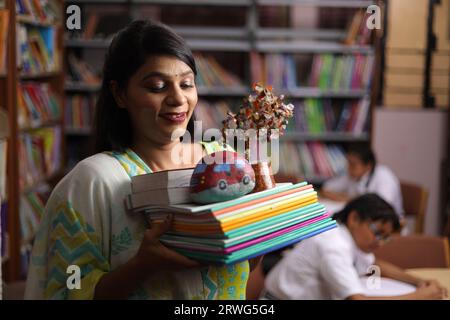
(388, 87)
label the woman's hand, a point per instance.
(153, 256)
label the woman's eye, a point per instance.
(156, 88)
(187, 85)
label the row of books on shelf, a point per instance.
(312, 160)
(326, 72)
(211, 113)
(4, 27)
(341, 72)
(79, 71)
(37, 104)
(212, 74)
(311, 116)
(79, 111)
(39, 10)
(37, 50)
(318, 116)
(39, 155)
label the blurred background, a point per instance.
(387, 87)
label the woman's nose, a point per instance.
(176, 97)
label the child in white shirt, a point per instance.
(364, 175)
(329, 266)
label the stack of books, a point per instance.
(243, 228)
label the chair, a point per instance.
(415, 199)
(416, 251)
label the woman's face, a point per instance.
(368, 235)
(356, 167)
(160, 98)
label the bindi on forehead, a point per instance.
(166, 75)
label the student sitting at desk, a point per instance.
(364, 175)
(330, 265)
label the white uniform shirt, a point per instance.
(383, 182)
(327, 266)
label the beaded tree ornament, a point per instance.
(268, 115)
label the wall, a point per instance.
(413, 144)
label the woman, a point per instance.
(148, 94)
(364, 175)
(329, 266)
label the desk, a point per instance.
(442, 275)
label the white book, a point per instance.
(179, 178)
(168, 196)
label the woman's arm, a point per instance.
(151, 257)
(255, 262)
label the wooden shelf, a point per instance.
(212, 32)
(219, 45)
(40, 75)
(268, 33)
(9, 87)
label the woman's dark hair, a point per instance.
(128, 51)
(370, 207)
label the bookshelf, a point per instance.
(231, 38)
(33, 87)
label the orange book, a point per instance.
(4, 23)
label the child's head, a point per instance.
(370, 220)
(148, 89)
(360, 160)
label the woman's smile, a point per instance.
(174, 117)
